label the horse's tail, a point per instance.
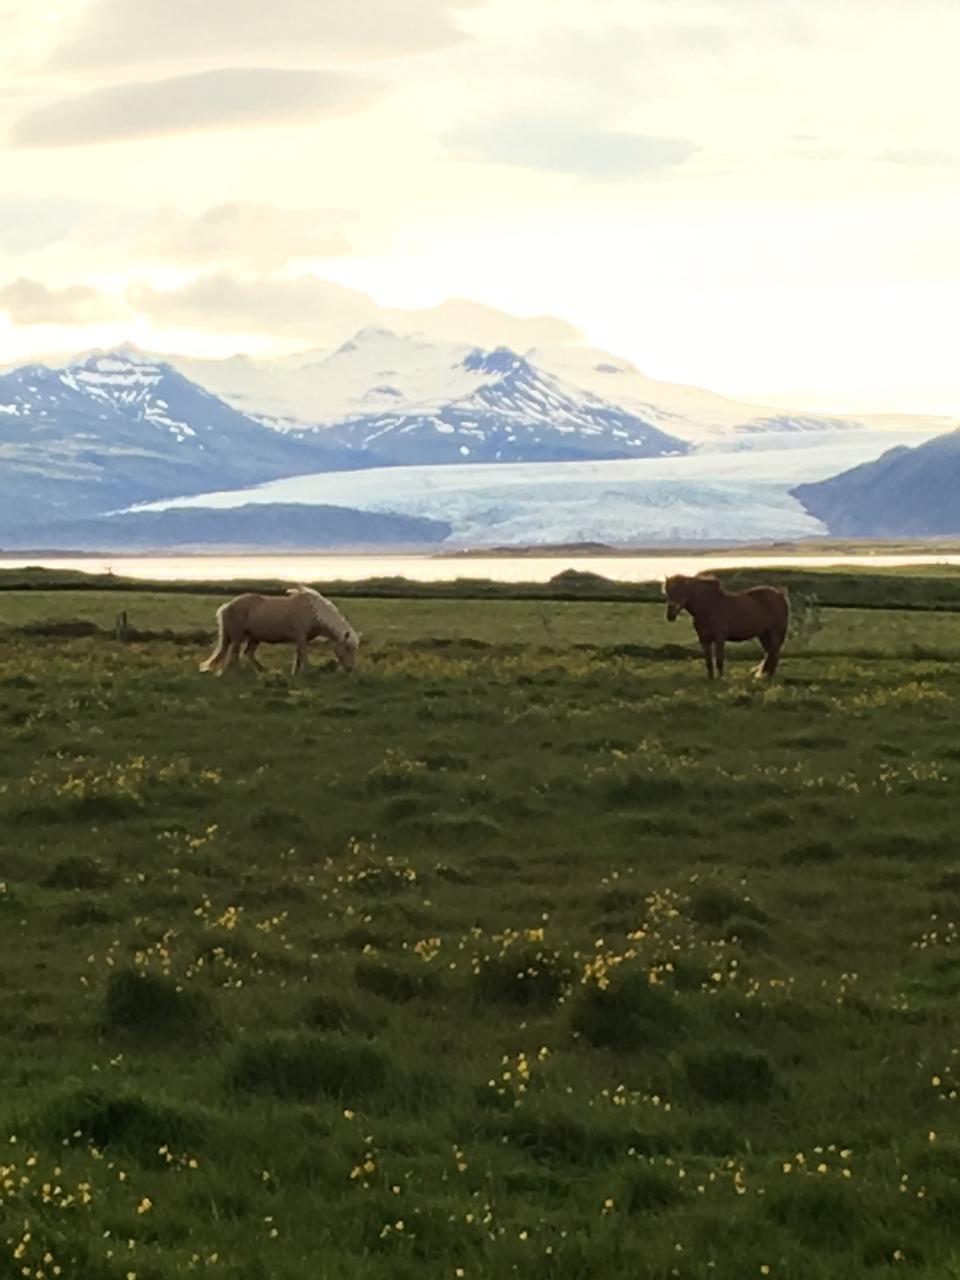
(785, 596)
(220, 652)
(785, 592)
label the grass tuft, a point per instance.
(646, 1191)
(135, 1124)
(715, 905)
(730, 1075)
(528, 976)
(329, 1013)
(395, 983)
(302, 1067)
(818, 1213)
(629, 1014)
(77, 872)
(146, 1005)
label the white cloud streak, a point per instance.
(229, 98)
(118, 33)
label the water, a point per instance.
(424, 568)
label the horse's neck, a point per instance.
(328, 624)
(704, 606)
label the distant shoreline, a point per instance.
(576, 550)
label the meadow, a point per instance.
(523, 951)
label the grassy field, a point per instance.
(522, 952)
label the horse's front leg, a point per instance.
(719, 649)
(300, 657)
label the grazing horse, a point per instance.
(718, 616)
(298, 617)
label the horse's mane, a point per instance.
(327, 614)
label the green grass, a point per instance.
(523, 951)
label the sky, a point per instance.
(760, 197)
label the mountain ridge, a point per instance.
(906, 492)
(117, 429)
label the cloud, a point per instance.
(317, 313)
(227, 98)
(29, 302)
(26, 225)
(459, 320)
(259, 235)
(919, 157)
(304, 307)
(121, 33)
(569, 148)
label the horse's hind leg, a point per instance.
(232, 658)
(250, 653)
(772, 660)
(760, 668)
(708, 656)
(772, 642)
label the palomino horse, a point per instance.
(298, 617)
(718, 616)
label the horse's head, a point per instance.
(686, 593)
(677, 592)
(345, 649)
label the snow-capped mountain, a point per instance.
(407, 401)
(392, 379)
(514, 413)
(618, 456)
(119, 426)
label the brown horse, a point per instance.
(718, 616)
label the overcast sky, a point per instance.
(757, 196)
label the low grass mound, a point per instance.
(330, 1013)
(302, 1067)
(730, 1075)
(714, 905)
(77, 872)
(747, 933)
(530, 976)
(552, 1137)
(135, 1124)
(821, 1214)
(647, 1191)
(812, 852)
(396, 983)
(85, 912)
(629, 1013)
(156, 1008)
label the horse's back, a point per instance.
(774, 603)
(750, 613)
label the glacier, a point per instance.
(728, 491)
